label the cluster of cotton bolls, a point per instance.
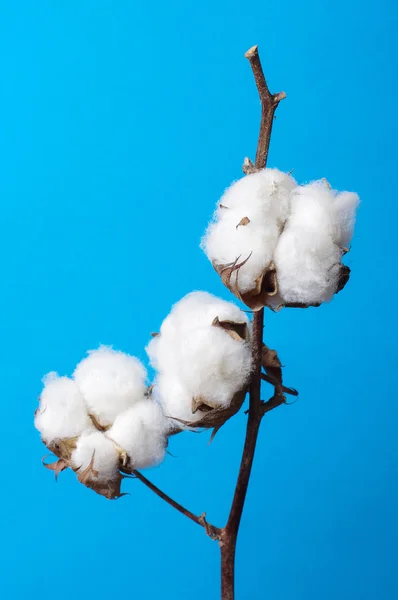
(102, 419)
(202, 356)
(266, 223)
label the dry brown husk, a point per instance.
(63, 449)
(109, 488)
(266, 284)
(214, 416)
(272, 366)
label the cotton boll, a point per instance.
(62, 412)
(306, 258)
(198, 361)
(344, 209)
(110, 382)
(97, 448)
(247, 224)
(141, 432)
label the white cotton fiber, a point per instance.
(263, 200)
(309, 251)
(196, 359)
(199, 309)
(106, 457)
(344, 209)
(176, 400)
(141, 432)
(62, 412)
(195, 310)
(214, 366)
(110, 382)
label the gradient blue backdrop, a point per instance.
(120, 125)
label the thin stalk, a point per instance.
(212, 531)
(229, 535)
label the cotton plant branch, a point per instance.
(213, 532)
(257, 408)
(97, 439)
(227, 536)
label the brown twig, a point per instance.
(213, 532)
(229, 534)
(269, 104)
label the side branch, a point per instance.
(211, 531)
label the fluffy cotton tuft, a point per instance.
(195, 359)
(62, 412)
(141, 432)
(344, 208)
(265, 220)
(309, 251)
(95, 446)
(176, 400)
(110, 382)
(247, 222)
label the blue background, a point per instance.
(120, 125)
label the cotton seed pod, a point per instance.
(97, 457)
(277, 244)
(241, 239)
(203, 360)
(108, 394)
(216, 416)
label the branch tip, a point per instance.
(251, 52)
(279, 97)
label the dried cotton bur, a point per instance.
(241, 240)
(203, 360)
(102, 421)
(277, 244)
